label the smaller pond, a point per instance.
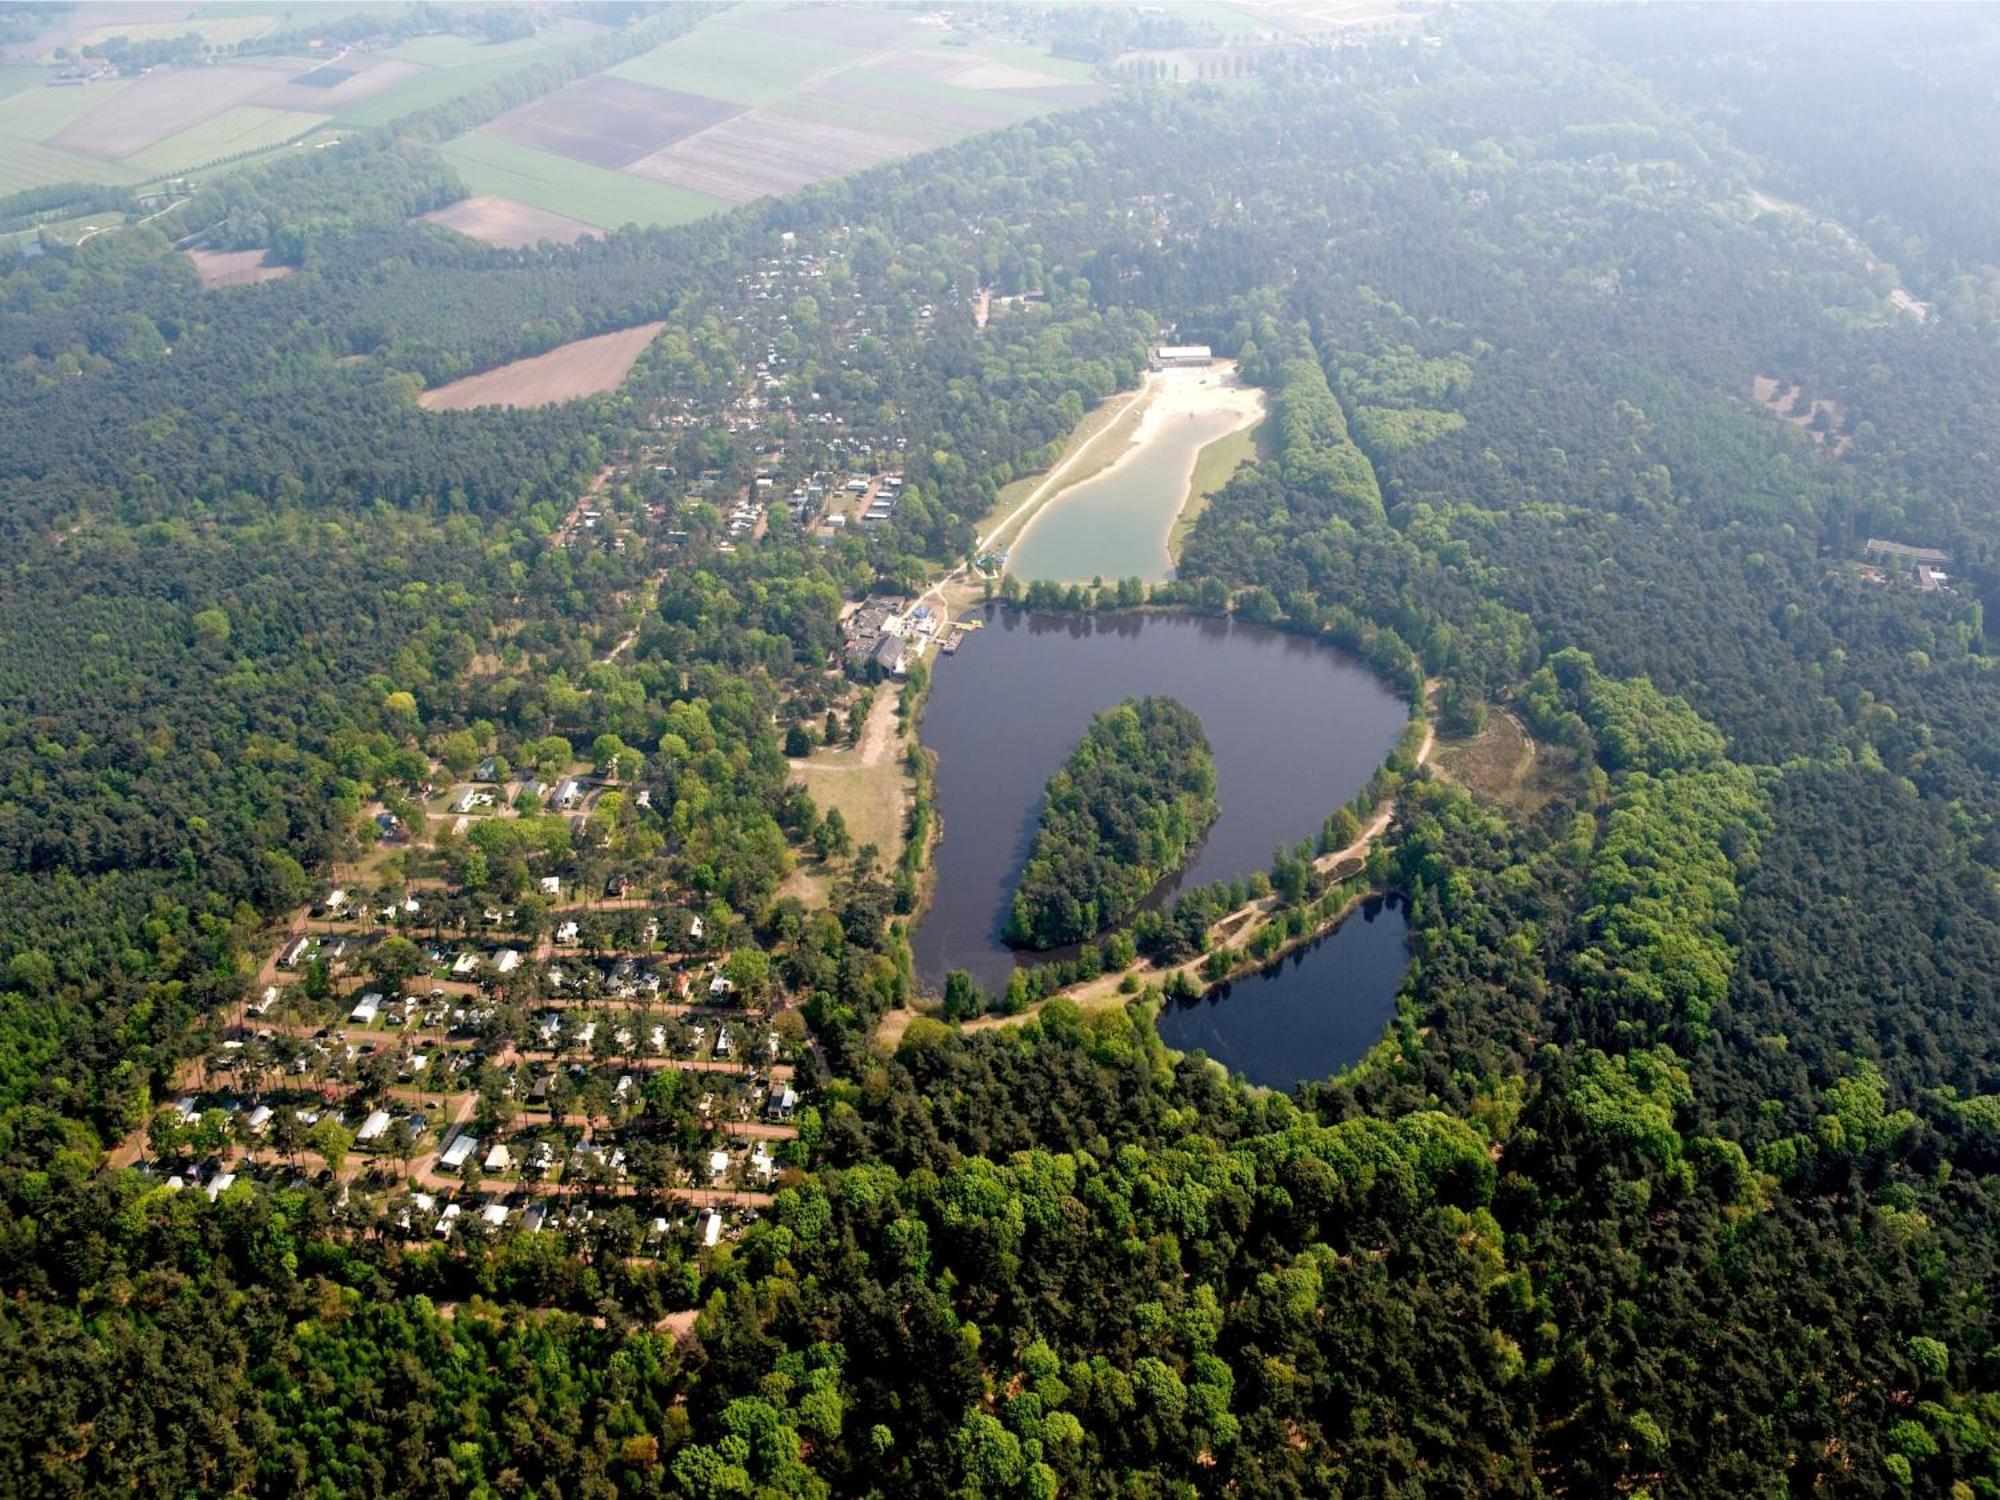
(1310, 1014)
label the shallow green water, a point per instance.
(1116, 524)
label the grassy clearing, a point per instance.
(1214, 467)
(871, 798)
(246, 127)
(1501, 765)
(729, 62)
(595, 195)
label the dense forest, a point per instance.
(1123, 812)
(1677, 1171)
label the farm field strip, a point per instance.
(431, 86)
(607, 122)
(458, 51)
(729, 62)
(42, 113)
(25, 164)
(371, 78)
(604, 198)
(762, 152)
(243, 127)
(162, 105)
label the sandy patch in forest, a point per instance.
(584, 367)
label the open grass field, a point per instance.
(38, 114)
(583, 367)
(244, 127)
(26, 164)
(608, 122)
(597, 196)
(508, 224)
(432, 86)
(17, 78)
(163, 104)
(459, 51)
(736, 63)
(865, 781)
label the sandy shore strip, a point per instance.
(1163, 397)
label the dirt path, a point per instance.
(875, 748)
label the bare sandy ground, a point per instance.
(219, 268)
(583, 367)
(508, 223)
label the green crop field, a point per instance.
(37, 114)
(26, 164)
(246, 127)
(729, 62)
(461, 51)
(605, 198)
(17, 77)
(440, 86)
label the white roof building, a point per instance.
(453, 1156)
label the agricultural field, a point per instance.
(764, 100)
(584, 367)
(174, 119)
(610, 122)
(555, 184)
(758, 100)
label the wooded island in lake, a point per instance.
(1123, 813)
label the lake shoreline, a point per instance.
(1164, 397)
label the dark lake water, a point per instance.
(1307, 1016)
(1297, 729)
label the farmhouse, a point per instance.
(1182, 357)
